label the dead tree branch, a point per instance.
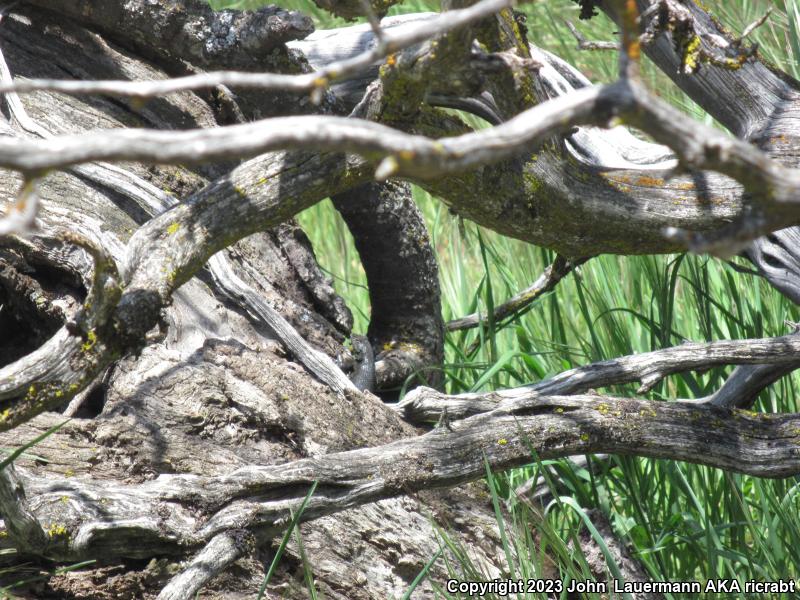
(584, 44)
(546, 282)
(220, 552)
(648, 368)
(113, 519)
(304, 82)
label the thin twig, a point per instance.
(584, 44)
(546, 282)
(374, 21)
(753, 26)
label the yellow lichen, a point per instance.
(692, 54)
(91, 340)
(57, 529)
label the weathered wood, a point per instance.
(208, 429)
(648, 368)
(261, 496)
(218, 391)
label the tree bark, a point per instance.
(213, 346)
(219, 391)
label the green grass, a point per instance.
(685, 522)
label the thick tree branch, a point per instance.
(103, 517)
(82, 348)
(742, 388)
(648, 368)
(392, 41)
(18, 517)
(391, 238)
(190, 30)
(747, 100)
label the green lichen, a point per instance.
(533, 184)
(403, 91)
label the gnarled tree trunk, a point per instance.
(220, 390)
